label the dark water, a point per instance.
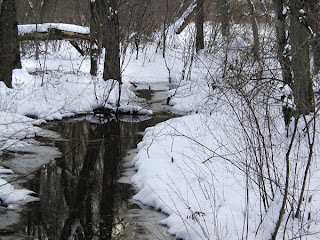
(79, 192)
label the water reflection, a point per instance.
(80, 198)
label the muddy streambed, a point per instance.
(85, 190)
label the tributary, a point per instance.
(85, 193)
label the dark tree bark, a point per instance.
(264, 7)
(9, 42)
(282, 40)
(299, 35)
(111, 42)
(223, 8)
(254, 25)
(164, 30)
(314, 24)
(189, 18)
(138, 25)
(199, 26)
(93, 39)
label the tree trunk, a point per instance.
(282, 40)
(299, 35)
(138, 26)
(9, 43)
(254, 24)
(164, 31)
(223, 8)
(111, 42)
(313, 22)
(264, 7)
(93, 39)
(199, 26)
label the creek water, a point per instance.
(86, 192)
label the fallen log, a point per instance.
(53, 34)
(52, 31)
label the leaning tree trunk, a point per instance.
(199, 26)
(9, 43)
(302, 83)
(280, 22)
(111, 42)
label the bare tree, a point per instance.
(298, 48)
(199, 26)
(254, 24)
(164, 30)
(280, 9)
(138, 25)
(302, 84)
(93, 38)
(223, 9)
(111, 41)
(9, 43)
(313, 26)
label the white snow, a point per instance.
(193, 168)
(285, 10)
(10, 195)
(201, 169)
(185, 14)
(55, 86)
(5, 171)
(135, 110)
(44, 27)
(302, 11)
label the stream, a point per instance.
(85, 192)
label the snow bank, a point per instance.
(16, 127)
(55, 86)
(194, 168)
(10, 195)
(54, 100)
(182, 172)
(204, 170)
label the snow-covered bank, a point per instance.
(195, 169)
(220, 172)
(55, 86)
(58, 85)
(188, 169)
(55, 99)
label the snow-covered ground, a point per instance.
(55, 86)
(219, 172)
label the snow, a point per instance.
(55, 86)
(189, 10)
(134, 110)
(10, 195)
(181, 171)
(201, 169)
(44, 27)
(285, 10)
(193, 168)
(14, 127)
(288, 99)
(5, 171)
(302, 11)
